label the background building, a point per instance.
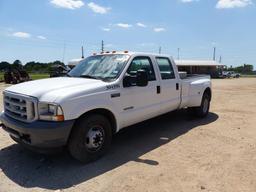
(209, 67)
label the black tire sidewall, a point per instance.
(200, 110)
(76, 144)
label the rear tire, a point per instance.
(90, 138)
(203, 110)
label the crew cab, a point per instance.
(101, 95)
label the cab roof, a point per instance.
(131, 53)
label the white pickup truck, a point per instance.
(101, 95)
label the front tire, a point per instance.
(90, 138)
(203, 110)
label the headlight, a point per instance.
(50, 112)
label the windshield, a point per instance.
(104, 67)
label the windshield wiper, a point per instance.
(89, 77)
(108, 79)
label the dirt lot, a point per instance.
(170, 153)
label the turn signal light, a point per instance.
(59, 117)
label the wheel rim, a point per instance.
(95, 138)
(205, 105)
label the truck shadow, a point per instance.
(29, 170)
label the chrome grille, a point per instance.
(19, 107)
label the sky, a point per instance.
(49, 30)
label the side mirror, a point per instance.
(127, 82)
(142, 78)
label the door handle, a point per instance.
(177, 86)
(158, 89)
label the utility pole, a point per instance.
(82, 52)
(220, 60)
(214, 53)
(160, 50)
(102, 46)
(178, 54)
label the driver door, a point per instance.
(139, 103)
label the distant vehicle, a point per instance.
(226, 74)
(230, 74)
(217, 75)
(59, 71)
(235, 75)
(101, 95)
(74, 62)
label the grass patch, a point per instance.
(36, 76)
(249, 76)
(33, 76)
(1, 76)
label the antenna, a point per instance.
(64, 52)
(82, 52)
(214, 53)
(178, 54)
(220, 60)
(102, 46)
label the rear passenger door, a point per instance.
(169, 84)
(140, 103)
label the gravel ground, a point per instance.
(170, 153)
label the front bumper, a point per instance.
(41, 134)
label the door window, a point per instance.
(142, 63)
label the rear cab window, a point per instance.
(165, 68)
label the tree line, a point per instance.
(31, 67)
(38, 67)
(244, 69)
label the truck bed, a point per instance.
(191, 87)
(193, 76)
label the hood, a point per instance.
(57, 86)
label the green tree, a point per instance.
(17, 64)
(4, 65)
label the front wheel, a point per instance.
(90, 138)
(203, 109)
